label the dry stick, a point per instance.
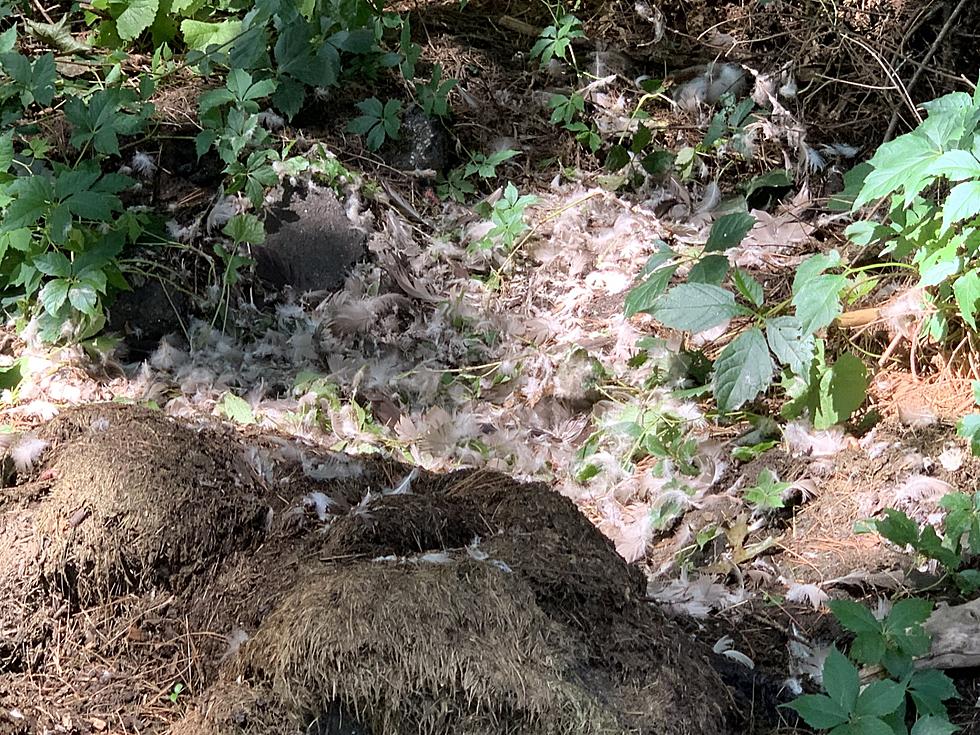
(889, 72)
(893, 123)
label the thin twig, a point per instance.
(893, 123)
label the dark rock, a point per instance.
(422, 144)
(311, 245)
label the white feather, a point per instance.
(26, 452)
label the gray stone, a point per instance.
(422, 144)
(311, 244)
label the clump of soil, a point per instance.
(138, 502)
(472, 604)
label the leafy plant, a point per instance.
(879, 707)
(771, 336)
(378, 121)
(767, 493)
(433, 96)
(507, 216)
(959, 541)
(556, 40)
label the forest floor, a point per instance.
(390, 413)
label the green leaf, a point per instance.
(813, 266)
(956, 166)
(819, 711)
(870, 725)
(53, 295)
(929, 689)
(962, 203)
(854, 616)
(6, 151)
(818, 302)
(53, 263)
(908, 613)
(868, 648)
(791, 347)
(245, 228)
(136, 18)
(695, 307)
(198, 35)
(969, 428)
(750, 288)
(743, 370)
(841, 680)
(617, 158)
(897, 528)
(84, 298)
(966, 290)
(710, 269)
(236, 409)
(643, 298)
(728, 231)
(933, 725)
(880, 698)
(899, 165)
(843, 389)
(853, 181)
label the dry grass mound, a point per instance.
(139, 501)
(139, 556)
(456, 646)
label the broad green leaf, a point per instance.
(728, 231)
(962, 203)
(842, 391)
(819, 711)
(841, 680)
(956, 166)
(788, 343)
(929, 689)
(695, 307)
(933, 725)
(136, 18)
(644, 297)
(818, 302)
(198, 35)
(245, 228)
(746, 285)
(812, 267)
(743, 370)
(854, 616)
(710, 269)
(897, 528)
(53, 295)
(966, 289)
(236, 409)
(84, 298)
(8, 39)
(880, 698)
(777, 178)
(899, 165)
(53, 263)
(870, 725)
(868, 648)
(908, 613)
(6, 151)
